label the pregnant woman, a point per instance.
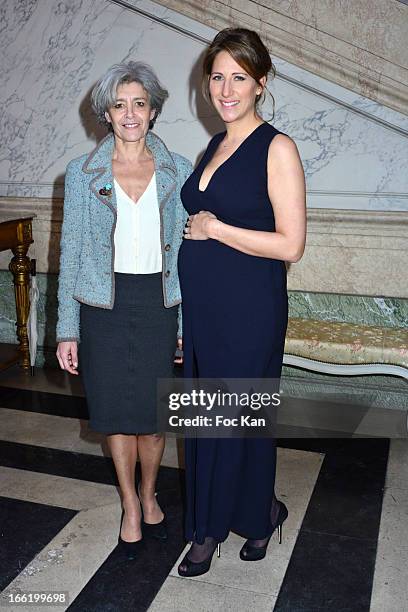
(246, 201)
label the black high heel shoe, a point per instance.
(131, 549)
(153, 530)
(256, 553)
(197, 569)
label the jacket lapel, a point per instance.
(165, 168)
(99, 163)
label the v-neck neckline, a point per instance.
(128, 196)
(226, 160)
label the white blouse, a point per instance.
(137, 233)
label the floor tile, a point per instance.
(26, 528)
(75, 465)
(55, 404)
(332, 573)
(397, 469)
(348, 496)
(55, 490)
(185, 595)
(69, 560)
(390, 592)
(69, 434)
(333, 488)
(120, 585)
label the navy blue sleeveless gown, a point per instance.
(234, 321)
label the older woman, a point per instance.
(118, 284)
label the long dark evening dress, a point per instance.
(234, 320)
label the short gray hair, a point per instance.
(104, 93)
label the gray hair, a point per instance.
(104, 93)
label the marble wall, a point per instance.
(359, 45)
(353, 149)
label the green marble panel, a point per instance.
(386, 312)
(46, 315)
(7, 308)
(372, 391)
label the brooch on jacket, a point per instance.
(107, 190)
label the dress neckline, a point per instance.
(228, 158)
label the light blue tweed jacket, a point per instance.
(87, 241)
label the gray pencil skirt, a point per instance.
(124, 351)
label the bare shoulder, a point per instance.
(283, 147)
(283, 156)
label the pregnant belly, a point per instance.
(209, 266)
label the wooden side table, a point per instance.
(16, 234)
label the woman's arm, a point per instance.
(287, 193)
(71, 242)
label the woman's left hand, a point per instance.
(198, 226)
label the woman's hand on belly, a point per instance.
(198, 227)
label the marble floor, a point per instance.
(344, 548)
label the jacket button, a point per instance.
(167, 247)
(167, 274)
